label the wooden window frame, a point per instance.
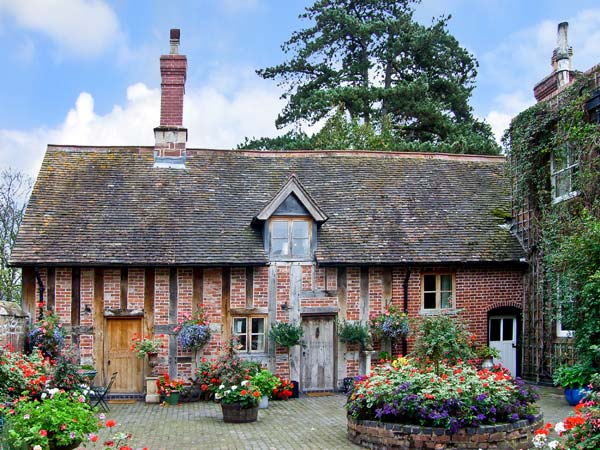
(290, 238)
(438, 292)
(570, 169)
(249, 333)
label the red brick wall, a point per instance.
(261, 287)
(161, 297)
(135, 289)
(237, 297)
(352, 293)
(213, 285)
(62, 294)
(173, 74)
(112, 288)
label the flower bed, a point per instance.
(445, 403)
(377, 435)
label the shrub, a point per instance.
(244, 394)
(442, 338)
(22, 374)
(457, 396)
(47, 336)
(265, 382)
(283, 390)
(572, 376)
(59, 418)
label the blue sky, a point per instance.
(86, 71)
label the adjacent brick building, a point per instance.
(131, 239)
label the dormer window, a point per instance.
(290, 222)
(290, 237)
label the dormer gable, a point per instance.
(293, 199)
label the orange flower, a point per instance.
(244, 392)
(256, 394)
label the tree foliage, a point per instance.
(372, 59)
(14, 191)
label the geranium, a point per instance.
(194, 331)
(283, 390)
(244, 394)
(454, 397)
(22, 374)
(58, 418)
(144, 345)
(47, 335)
(167, 385)
(392, 324)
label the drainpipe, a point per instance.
(405, 287)
(41, 290)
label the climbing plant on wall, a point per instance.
(567, 232)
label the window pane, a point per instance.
(429, 282)
(300, 247)
(446, 281)
(446, 299)
(495, 329)
(258, 342)
(279, 247)
(299, 229)
(243, 342)
(258, 325)
(562, 184)
(239, 325)
(429, 300)
(279, 229)
(507, 332)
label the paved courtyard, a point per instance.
(304, 423)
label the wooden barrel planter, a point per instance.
(234, 413)
(391, 436)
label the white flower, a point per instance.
(245, 382)
(553, 444)
(233, 388)
(227, 392)
(222, 386)
(26, 417)
(37, 447)
(218, 396)
(560, 427)
(44, 395)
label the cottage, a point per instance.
(131, 239)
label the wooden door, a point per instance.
(318, 357)
(119, 357)
(503, 336)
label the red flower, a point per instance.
(256, 394)
(43, 433)
(110, 423)
(244, 392)
(93, 438)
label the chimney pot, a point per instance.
(174, 40)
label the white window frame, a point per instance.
(249, 332)
(570, 168)
(560, 331)
(290, 238)
(438, 293)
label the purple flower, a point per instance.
(481, 397)
(514, 417)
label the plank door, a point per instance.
(503, 336)
(119, 357)
(318, 357)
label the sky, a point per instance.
(86, 72)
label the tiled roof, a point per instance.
(101, 206)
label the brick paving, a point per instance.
(302, 424)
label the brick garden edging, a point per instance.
(391, 436)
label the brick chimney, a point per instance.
(170, 136)
(561, 66)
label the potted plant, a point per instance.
(487, 355)
(391, 324)
(287, 335)
(58, 421)
(47, 335)
(572, 378)
(146, 347)
(265, 382)
(355, 333)
(283, 390)
(193, 332)
(170, 388)
(239, 403)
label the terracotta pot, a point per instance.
(234, 413)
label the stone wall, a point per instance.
(13, 326)
(389, 436)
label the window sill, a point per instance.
(439, 312)
(564, 197)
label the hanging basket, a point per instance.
(234, 413)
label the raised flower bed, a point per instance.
(410, 406)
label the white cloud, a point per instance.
(524, 59)
(82, 27)
(214, 120)
(507, 107)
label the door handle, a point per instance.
(108, 362)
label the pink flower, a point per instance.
(43, 433)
